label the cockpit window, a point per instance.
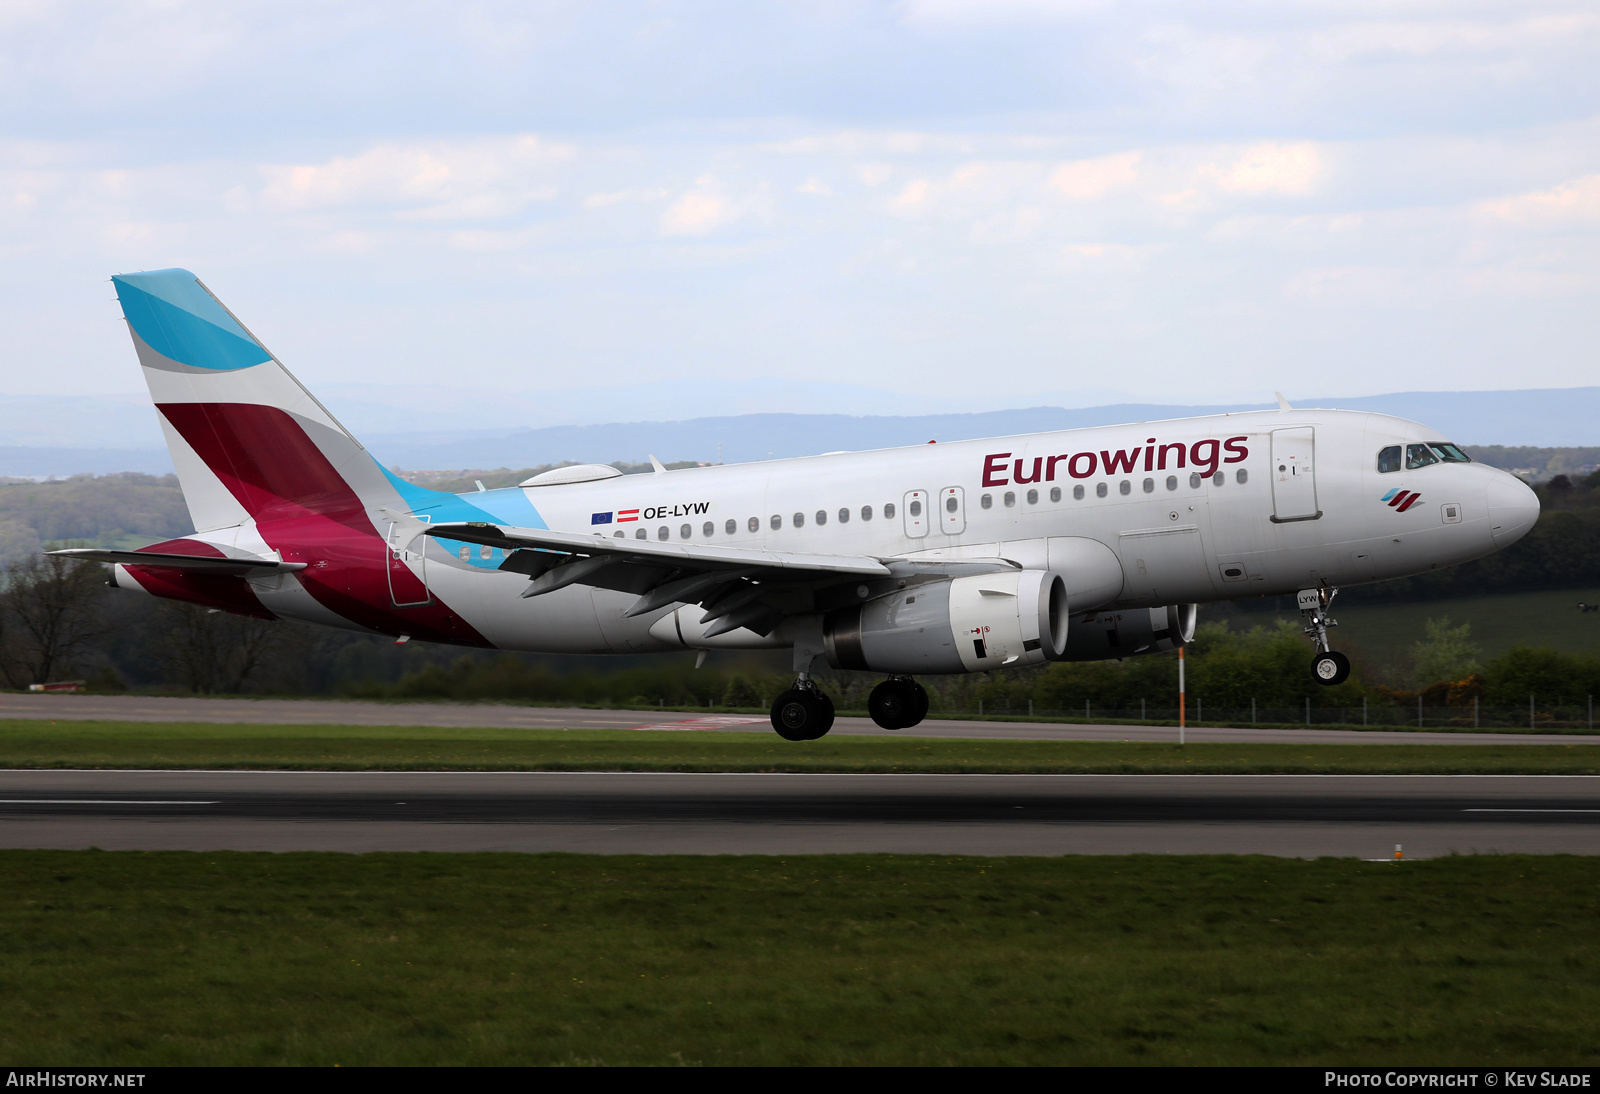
(1389, 459)
(1448, 452)
(1419, 455)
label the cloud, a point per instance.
(707, 207)
(483, 177)
(1577, 201)
(1262, 168)
(624, 197)
(1091, 178)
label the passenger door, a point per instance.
(408, 568)
(1294, 483)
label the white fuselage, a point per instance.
(1247, 504)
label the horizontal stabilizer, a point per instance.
(237, 567)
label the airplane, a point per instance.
(961, 557)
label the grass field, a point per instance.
(42, 744)
(175, 958)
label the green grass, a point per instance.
(133, 959)
(42, 744)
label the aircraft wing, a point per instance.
(230, 567)
(738, 586)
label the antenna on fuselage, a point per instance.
(655, 463)
(1283, 404)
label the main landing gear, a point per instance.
(803, 713)
(1328, 667)
(898, 703)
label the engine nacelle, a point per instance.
(1103, 635)
(965, 624)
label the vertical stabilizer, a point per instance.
(248, 440)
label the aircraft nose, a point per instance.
(1512, 509)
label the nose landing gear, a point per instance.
(1328, 667)
(803, 713)
(898, 703)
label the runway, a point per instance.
(620, 813)
(139, 708)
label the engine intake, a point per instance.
(964, 624)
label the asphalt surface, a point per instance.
(648, 813)
(135, 708)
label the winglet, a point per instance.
(1283, 404)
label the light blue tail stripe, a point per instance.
(178, 319)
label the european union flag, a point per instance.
(600, 518)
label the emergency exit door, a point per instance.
(1294, 480)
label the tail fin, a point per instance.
(247, 439)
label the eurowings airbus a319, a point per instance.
(957, 557)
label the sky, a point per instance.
(991, 203)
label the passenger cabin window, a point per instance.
(777, 521)
(822, 516)
(888, 511)
(799, 520)
(1099, 489)
(1419, 455)
(731, 527)
(1124, 487)
(754, 524)
(686, 531)
(986, 502)
(1241, 476)
(1055, 493)
(1389, 459)
(1010, 499)
(1149, 486)
(641, 534)
(709, 530)
(1172, 482)
(916, 508)
(844, 516)
(866, 512)
(1077, 493)
(1033, 497)
(1448, 452)
(663, 532)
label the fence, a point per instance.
(1532, 717)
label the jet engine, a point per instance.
(963, 624)
(1102, 635)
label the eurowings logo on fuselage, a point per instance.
(1401, 500)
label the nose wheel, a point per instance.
(898, 703)
(1328, 667)
(803, 713)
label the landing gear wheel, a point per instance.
(893, 704)
(1330, 668)
(802, 714)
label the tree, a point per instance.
(50, 612)
(214, 651)
(1445, 654)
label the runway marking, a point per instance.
(1531, 810)
(90, 801)
(702, 723)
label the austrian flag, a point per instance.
(625, 515)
